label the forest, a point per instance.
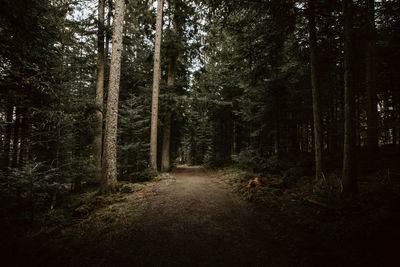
(199, 132)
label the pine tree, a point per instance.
(348, 174)
(109, 181)
(156, 84)
(166, 140)
(97, 141)
(370, 82)
(315, 90)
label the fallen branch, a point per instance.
(317, 203)
(323, 176)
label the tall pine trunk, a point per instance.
(97, 141)
(276, 135)
(348, 174)
(16, 136)
(156, 84)
(7, 145)
(109, 180)
(166, 141)
(370, 81)
(315, 90)
(107, 34)
(25, 136)
(107, 44)
(165, 156)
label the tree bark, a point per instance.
(25, 133)
(16, 136)
(7, 148)
(108, 37)
(165, 156)
(97, 141)
(370, 81)
(156, 84)
(234, 138)
(348, 174)
(315, 90)
(109, 180)
(277, 136)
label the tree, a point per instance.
(315, 90)
(348, 174)
(370, 81)
(97, 140)
(166, 140)
(156, 84)
(8, 128)
(109, 181)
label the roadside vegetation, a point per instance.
(314, 219)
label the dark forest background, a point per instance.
(243, 96)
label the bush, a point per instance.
(274, 164)
(141, 176)
(250, 159)
(130, 188)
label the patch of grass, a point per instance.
(130, 188)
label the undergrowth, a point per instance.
(317, 222)
(75, 224)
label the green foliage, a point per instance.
(130, 188)
(47, 73)
(242, 93)
(250, 159)
(197, 141)
(133, 149)
(28, 189)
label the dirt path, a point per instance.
(194, 220)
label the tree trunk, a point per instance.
(7, 148)
(97, 141)
(16, 136)
(59, 108)
(277, 136)
(315, 91)
(357, 126)
(234, 138)
(156, 84)
(109, 180)
(370, 81)
(165, 157)
(348, 175)
(108, 35)
(25, 133)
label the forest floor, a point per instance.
(189, 218)
(318, 224)
(198, 217)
